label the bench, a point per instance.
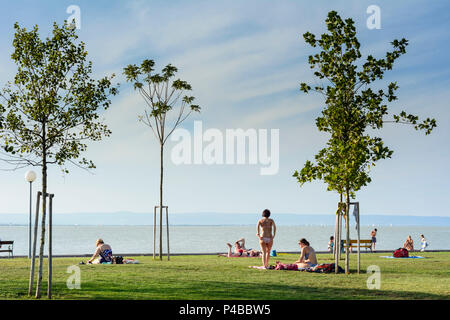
(9, 249)
(362, 244)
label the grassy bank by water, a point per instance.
(212, 277)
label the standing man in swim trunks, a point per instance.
(373, 234)
(264, 230)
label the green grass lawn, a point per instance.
(212, 277)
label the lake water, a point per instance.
(212, 239)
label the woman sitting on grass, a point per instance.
(331, 244)
(104, 252)
(409, 244)
(307, 256)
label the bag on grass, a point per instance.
(117, 260)
(401, 253)
(328, 268)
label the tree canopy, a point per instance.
(52, 106)
(352, 107)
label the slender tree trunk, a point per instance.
(44, 210)
(347, 227)
(161, 202)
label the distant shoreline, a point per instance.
(210, 254)
(219, 225)
(222, 219)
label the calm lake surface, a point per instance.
(212, 239)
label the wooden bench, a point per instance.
(362, 244)
(10, 248)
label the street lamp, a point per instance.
(30, 176)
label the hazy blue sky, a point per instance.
(245, 60)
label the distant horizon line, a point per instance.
(216, 225)
(237, 213)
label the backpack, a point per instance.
(117, 260)
(328, 268)
(401, 253)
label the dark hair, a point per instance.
(376, 229)
(266, 213)
(304, 241)
(331, 238)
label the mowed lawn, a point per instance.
(213, 277)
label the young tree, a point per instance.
(162, 94)
(51, 109)
(352, 107)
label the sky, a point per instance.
(245, 61)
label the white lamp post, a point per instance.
(30, 176)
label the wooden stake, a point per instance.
(167, 229)
(50, 256)
(167, 232)
(36, 221)
(359, 238)
(347, 249)
(154, 232)
(335, 234)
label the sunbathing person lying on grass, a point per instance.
(239, 250)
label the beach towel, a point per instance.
(410, 257)
(282, 266)
(130, 261)
(321, 268)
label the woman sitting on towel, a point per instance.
(308, 255)
(409, 244)
(103, 252)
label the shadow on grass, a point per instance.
(220, 290)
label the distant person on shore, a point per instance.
(103, 252)
(409, 244)
(373, 235)
(331, 244)
(308, 257)
(264, 229)
(424, 242)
